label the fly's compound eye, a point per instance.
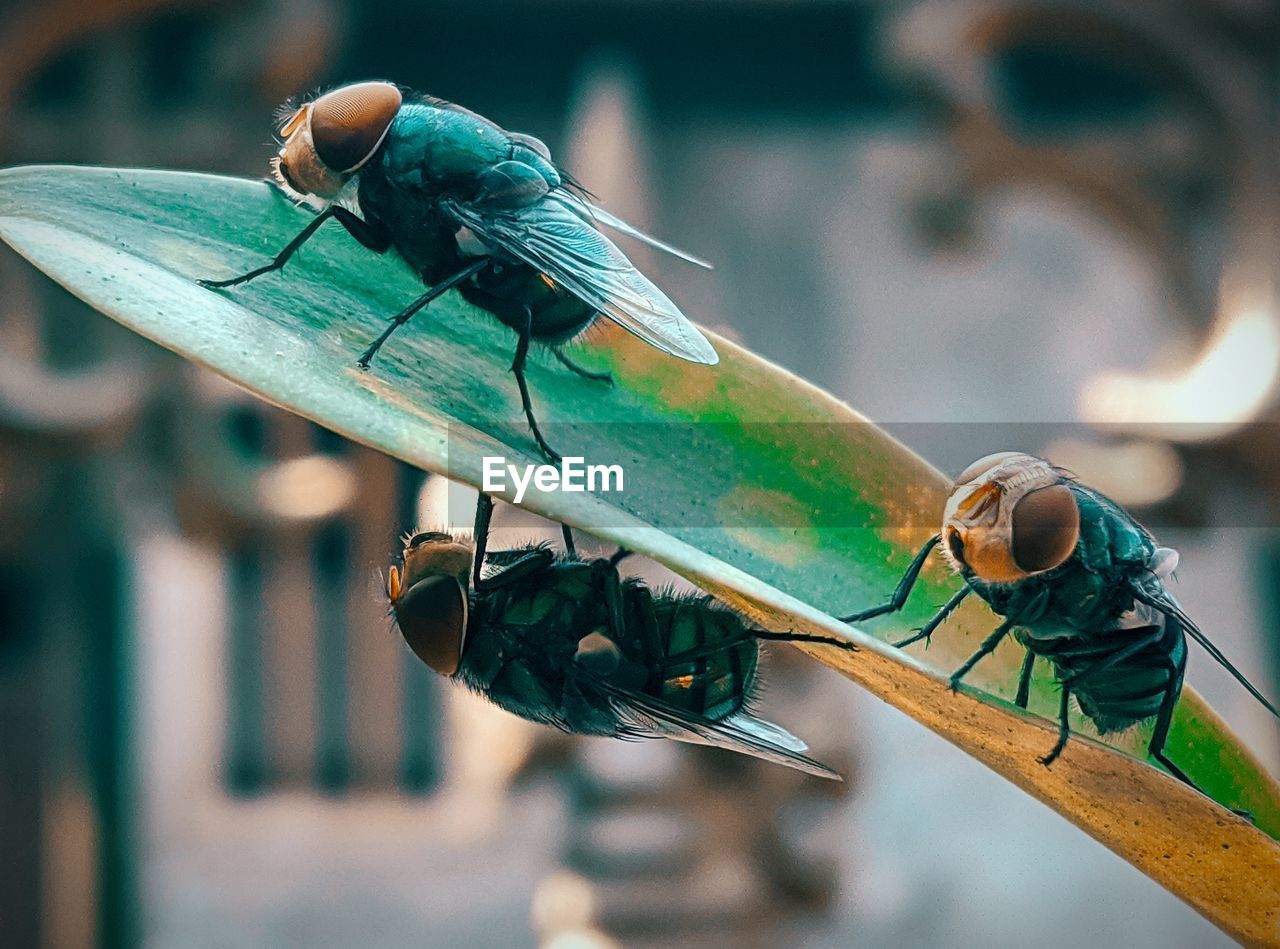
(432, 616)
(1046, 526)
(348, 124)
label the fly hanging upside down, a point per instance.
(572, 643)
(469, 205)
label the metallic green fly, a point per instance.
(1079, 583)
(571, 643)
(470, 205)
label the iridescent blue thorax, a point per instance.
(430, 152)
(436, 151)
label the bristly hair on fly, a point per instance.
(570, 183)
(700, 600)
(284, 112)
(461, 535)
(277, 180)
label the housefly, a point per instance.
(470, 205)
(569, 642)
(1079, 583)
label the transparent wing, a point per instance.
(767, 731)
(598, 214)
(1161, 565)
(1163, 562)
(642, 715)
(1149, 589)
(552, 236)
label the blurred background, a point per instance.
(1049, 226)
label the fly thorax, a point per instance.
(1010, 516)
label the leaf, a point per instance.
(713, 456)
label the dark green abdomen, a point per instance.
(709, 657)
(1122, 694)
(523, 641)
(557, 316)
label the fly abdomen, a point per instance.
(1124, 692)
(518, 291)
(1125, 698)
(709, 657)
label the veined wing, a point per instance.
(644, 716)
(554, 238)
(598, 214)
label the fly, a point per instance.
(471, 206)
(1079, 583)
(570, 643)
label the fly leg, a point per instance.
(1064, 728)
(927, 630)
(987, 648)
(517, 367)
(804, 638)
(1164, 718)
(514, 569)
(570, 548)
(373, 237)
(902, 591)
(397, 321)
(1161, 733)
(1024, 680)
(613, 602)
(564, 360)
(281, 258)
(598, 652)
(484, 513)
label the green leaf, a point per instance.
(780, 453)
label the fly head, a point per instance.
(1010, 516)
(328, 139)
(428, 593)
